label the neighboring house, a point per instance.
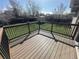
(56, 18)
(75, 11)
(41, 18)
(75, 7)
(5, 17)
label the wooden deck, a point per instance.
(41, 47)
(1, 57)
(1, 33)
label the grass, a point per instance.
(33, 27)
(13, 32)
(58, 28)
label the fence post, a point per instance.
(39, 27)
(29, 27)
(51, 28)
(52, 31)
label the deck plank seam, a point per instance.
(21, 46)
(36, 42)
(28, 49)
(56, 49)
(24, 47)
(35, 47)
(61, 51)
(41, 49)
(47, 49)
(40, 46)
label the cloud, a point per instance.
(9, 6)
(67, 11)
(46, 12)
(4, 9)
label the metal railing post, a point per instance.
(75, 33)
(39, 27)
(51, 28)
(52, 31)
(29, 27)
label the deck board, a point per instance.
(73, 53)
(29, 48)
(41, 51)
(37, 49)
(57, 56)
(38, 45)
(1, 57)
(45, 52)
(41, 47)
(20, 47)
(50, 51)
(55, 51)
(64, 52)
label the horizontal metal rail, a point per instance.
(64, 27)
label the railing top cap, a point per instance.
(1, 33)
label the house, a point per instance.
(75, 11)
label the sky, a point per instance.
(46, 6)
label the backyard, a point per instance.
(16, 31)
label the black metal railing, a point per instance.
(4, 45)
(62, 29)
(17, 30)
(14, 31)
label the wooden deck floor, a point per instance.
(1, 57)
(40, 47)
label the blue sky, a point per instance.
(45, 5)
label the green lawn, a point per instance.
(57, 28)
(33, 27)
(13, 32)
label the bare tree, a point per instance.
(16, 7)
(60, 9)
(33, 8)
